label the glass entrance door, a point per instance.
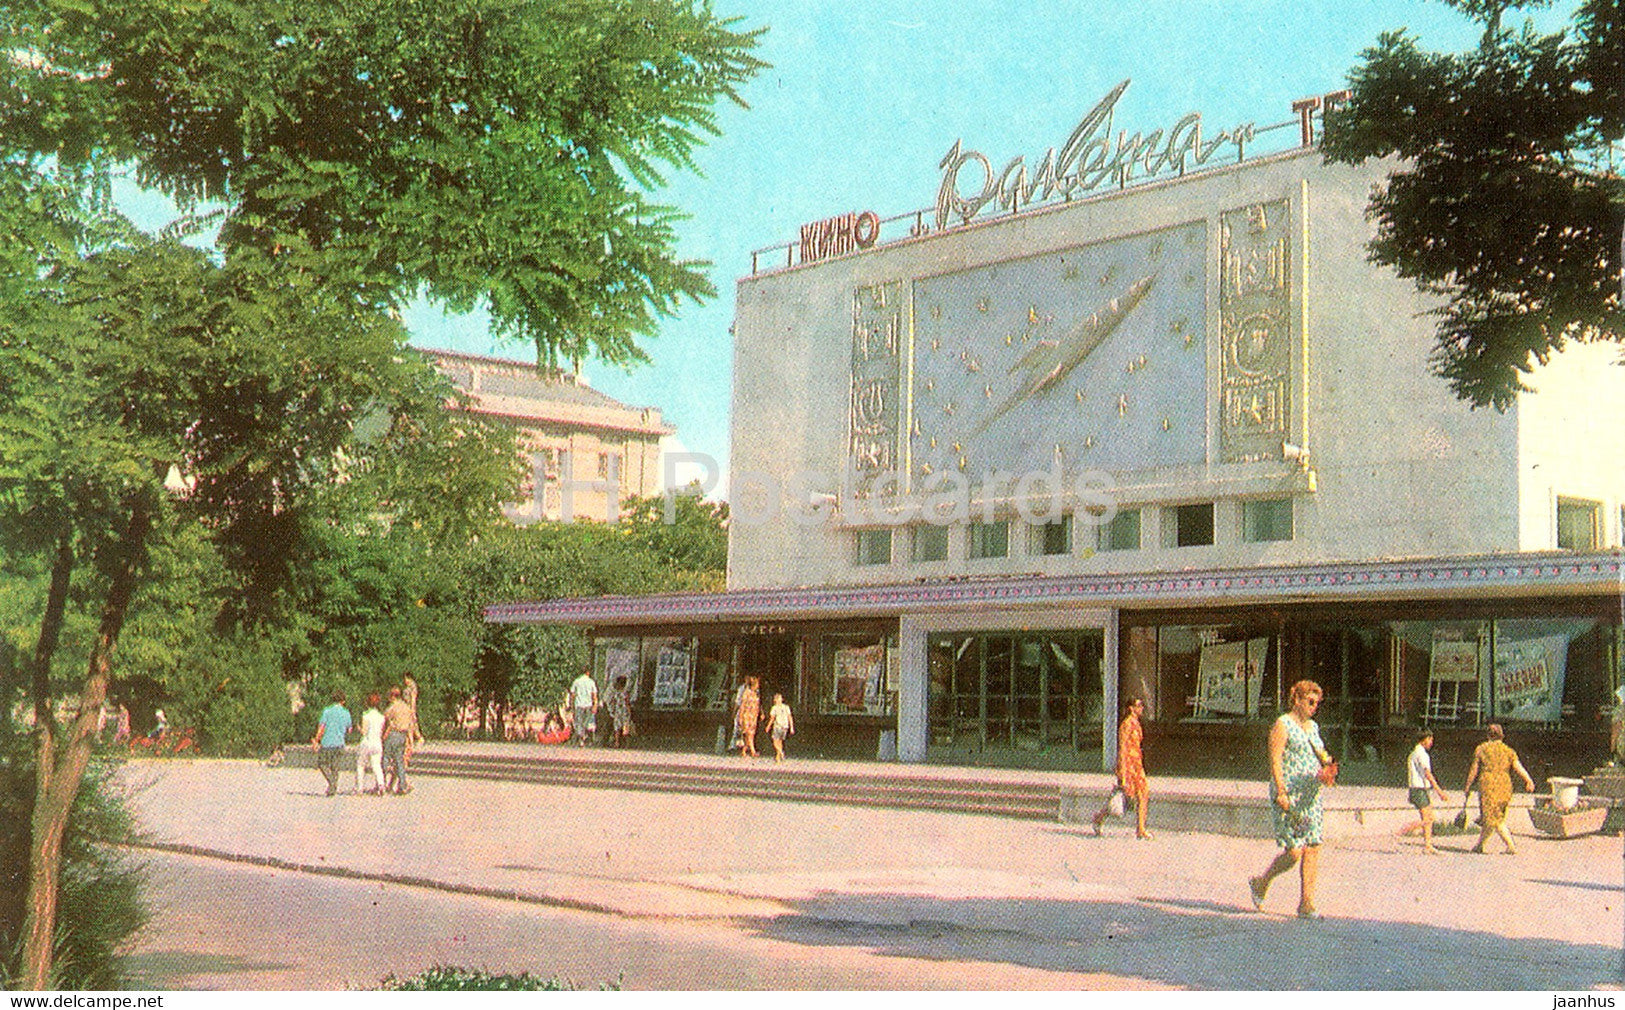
(1027, 692)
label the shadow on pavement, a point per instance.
(1200, 944)
(168, 968)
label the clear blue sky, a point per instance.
(863, 99)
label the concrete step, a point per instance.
(799, 784)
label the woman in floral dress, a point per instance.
(1493, 765)
(1297, 757)
(620, 711)
(750, 713)
(1130, 769)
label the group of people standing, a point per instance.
(582, 699)
(1300, 768)
(387, 740)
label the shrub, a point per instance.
(445, 977)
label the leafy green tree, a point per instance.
(688, 532)
(490, 151)
(1507, 202)
(356, 155)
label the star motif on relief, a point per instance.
(981, 305)
(936, 344)
(1122, 404)
(1109, 276)
(949, 408)
(936, 313)
(1069, 273)
(1155, 252)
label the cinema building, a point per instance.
(1166, 434)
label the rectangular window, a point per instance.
(874, 547)
(1188, 525)
(1264, 521)
(1053, 536)
(1577, 522)
(1121, 534)
(609, 464)
(989, 540)
(930, 543)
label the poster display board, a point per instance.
(620, 661)
(859, 675)
(1529, 678)
(1230, 678)
(674, 668)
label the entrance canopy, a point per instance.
(1553, 573)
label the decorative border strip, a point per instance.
(1604, 572)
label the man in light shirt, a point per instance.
(397, 731)
(584, 699)
(328, 742)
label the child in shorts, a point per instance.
(780, 724)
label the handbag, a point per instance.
(1460, 820)
(1328, 774)
(1116, 803)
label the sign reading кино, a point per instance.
(1088, 159)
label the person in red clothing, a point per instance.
(1130, 769)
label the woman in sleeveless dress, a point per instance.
(1297, 756)
(1130, 769)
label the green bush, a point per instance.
(448, 978)
(231, 690)
(100, 901)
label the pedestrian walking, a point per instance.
(397, 731)
(620, 712)
(749, 715)
(1423, 786)
(781, 722)
(160, 724)
(1492, 767)
(370, 752)
(1131, 781)
(584, 699)
(328, 741)
(1299, 767)
(121, 732)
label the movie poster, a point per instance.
(674, 665)
(859, 673)
(1230, 678)
(1529, 678)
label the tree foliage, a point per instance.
(1507, 203)
(488, 151)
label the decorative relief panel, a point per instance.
(1255, 332)
(1088, 358)
(877, 345)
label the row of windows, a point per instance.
(1193, 525)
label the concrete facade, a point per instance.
(1401, 467)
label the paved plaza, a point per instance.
(260, 881)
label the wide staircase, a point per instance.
(804, 781)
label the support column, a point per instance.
(1109, 680)
(913, 688)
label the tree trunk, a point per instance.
(59, 780)
(56, 605)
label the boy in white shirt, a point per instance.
(780, 724)
(1419, 777)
